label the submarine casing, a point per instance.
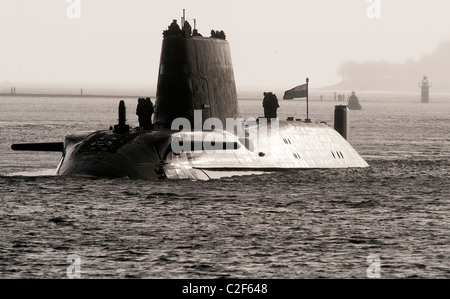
(150, 154)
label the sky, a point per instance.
(274, 44)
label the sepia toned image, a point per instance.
(224, 147)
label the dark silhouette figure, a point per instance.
(144, 111)
(218, 34)
(173, 29)
(187, 29)
(196, 33)
(270, 104)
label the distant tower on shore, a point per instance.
(425, 87)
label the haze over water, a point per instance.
(274, 44)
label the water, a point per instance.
(287, 224)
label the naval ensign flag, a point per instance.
(300, 91)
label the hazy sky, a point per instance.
(273, 43)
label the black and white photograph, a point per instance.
(218, 148)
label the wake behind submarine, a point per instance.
(196, 131)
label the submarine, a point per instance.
(196, 131)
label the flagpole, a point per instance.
(307, 94)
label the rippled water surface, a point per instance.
(287, 224)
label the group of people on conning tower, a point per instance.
(144, 111)
(270, 104)
(187, 31)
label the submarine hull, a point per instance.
(153, 154)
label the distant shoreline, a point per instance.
(62, 95)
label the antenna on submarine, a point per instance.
(183, 19)
(307, 110)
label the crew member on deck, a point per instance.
(140, 112)
(270, 104)
(144, 111)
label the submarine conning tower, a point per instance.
(195, 73)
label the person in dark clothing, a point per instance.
(144, 111)
(270, 104)
(173, 29)
(140, 112)
(187, 29)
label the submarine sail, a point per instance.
(195, 73)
